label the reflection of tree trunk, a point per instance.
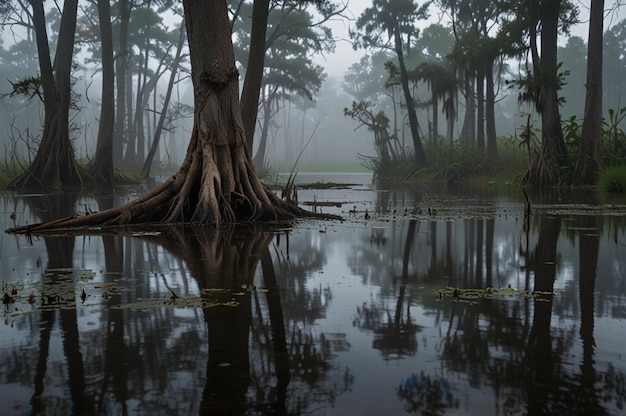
(115, 354)
(589, 243)
(490, 229)
(449, 266)
(46, 321)
(60, 252)
(228, 365)
(277, 322)
(60, 257)
(433, 246)
(71, 348)
(410, 236)
(222, 259)
(540, 360)
(469, 250)
(116, 358)
(478, 282)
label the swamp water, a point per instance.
(470, 309)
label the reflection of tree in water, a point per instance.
(509, 344)
(395, 335)
(290, 365)
(304, 377)
(296, 257)
(60, 259)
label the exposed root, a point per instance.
(197, 194)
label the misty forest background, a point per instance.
(467, 67)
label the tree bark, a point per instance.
(217, 182)
(145, 171)
(590, 150)
(120, 74)
(480, 104)
(259, 157)
(102, 166)
(490, 114)
(547, 166)
(54, 165)
(420, 155)
(468, 131)
(254, 71)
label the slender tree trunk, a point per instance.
(254, 71)
(468, 131)
(435, 117)
(590, 150)
(120, 74)
(131, 138)
(480, 104)
(145, 171)
(490, 114)
(102, 167)
(259, 157)
(420, 155)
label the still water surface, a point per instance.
(469, 310)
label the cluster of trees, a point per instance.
(471, 61)
(273, 41)
(137, 51)
(217, 180)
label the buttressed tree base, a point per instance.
(217, 182)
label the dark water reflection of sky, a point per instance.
(328, 318)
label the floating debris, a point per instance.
(473, 294)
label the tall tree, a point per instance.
(147, 165)
(590, 149)
(385, 25)
(54, 165)
(254, 73)
(101, 167)
(278, 30)
(217, 182)
(546, 169)
(549, 165)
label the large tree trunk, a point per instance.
(101, 167)
(546, 166)
(54, 165)
(590, 149)
(217, 182)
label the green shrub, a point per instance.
(613, 180)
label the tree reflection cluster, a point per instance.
(282, 349)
